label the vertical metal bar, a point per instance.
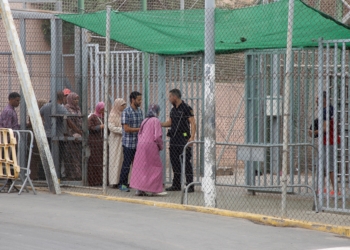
(154, 80)
(313, 86)
(139, 76)
(119, 95)
(112, 77)
(9, 83)
(348, 125)
(97, 76)
(259, 110)
(254, 112)
(335, 123)
(91, 78)
(291, 119)
(53, 95)
(186, 78)
(199, 71)
(23, 107)
(106, 88)
(77, 55)
(286, 106)
(271, 96)
(161, 75)
(208, 181)
(327, 124)
(298, 122)
(133, 70)
(84, 104)
(342, 126)
(279, 111)
(306, 107)
(265, 115)
(122, 76)
(320, 118)
(145, 69)
(128, 73)
(102, 62)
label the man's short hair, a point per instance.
(60, 95)
(134, 95)
(14, 95)
(176, 92)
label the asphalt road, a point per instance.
(50, 222)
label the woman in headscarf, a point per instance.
(115, 142)
(147, 168)
(95, 163)
(73, 149)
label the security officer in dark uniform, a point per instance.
(182, 130)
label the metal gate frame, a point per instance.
(153, 75)
(333, 78)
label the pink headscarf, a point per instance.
(99, 107)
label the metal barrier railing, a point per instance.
(23, 176)
(184, 190)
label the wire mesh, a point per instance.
(145, 161)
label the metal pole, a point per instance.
(146, 69)
(208, 182)
(29, 96)
(84, 103)
(286, 106)
(182, 4)
(107, 67)
(81, 7)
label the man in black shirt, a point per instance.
(182, 130)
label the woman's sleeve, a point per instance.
(93, 124)
(158, 134)
(113, 128)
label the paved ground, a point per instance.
(50, 222)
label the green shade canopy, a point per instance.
(175, 32)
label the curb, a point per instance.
(263, 219)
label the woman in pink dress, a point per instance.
(147, 171)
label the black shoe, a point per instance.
(190, 189)
(257, 173)
(172, 188)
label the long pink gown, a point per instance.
(147, 167)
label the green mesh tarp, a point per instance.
(171, 32)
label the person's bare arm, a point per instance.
(167, 123)
(193, 128)
(129, 129)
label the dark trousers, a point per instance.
(176, 163)
(129, 155)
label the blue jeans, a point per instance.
(129, 154)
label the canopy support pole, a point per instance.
(286, 112)
(208, 182)
(107, 73)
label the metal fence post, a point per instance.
(208, 182)
(286, 115)
(107, 67)
(29, 96)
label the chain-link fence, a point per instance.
(130, 107)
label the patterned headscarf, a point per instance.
(99, 107)
(153, 110)
(70, 101)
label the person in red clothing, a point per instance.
(331, 144)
